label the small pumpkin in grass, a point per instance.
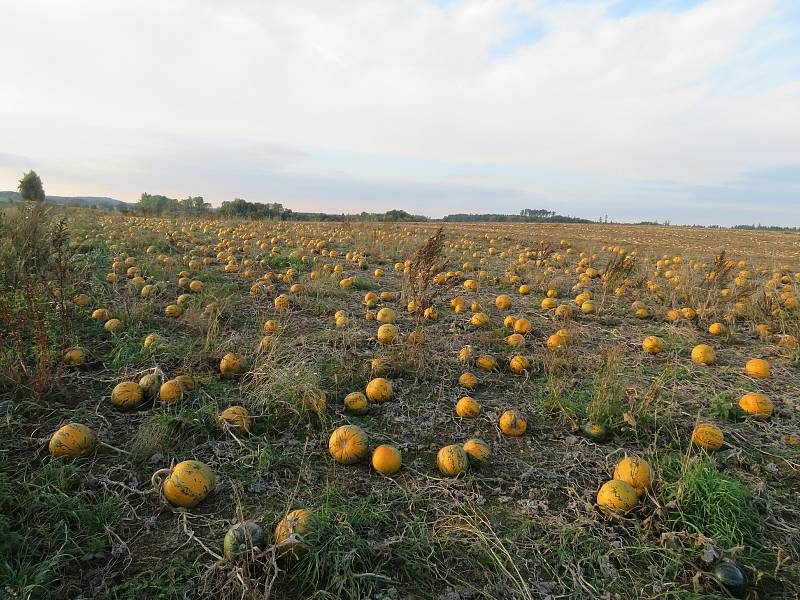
(704, 354)
(635, 471)
(653, 344)
(717, 329)
(348, 444)
(518, 364)
(152, 340)
(170, 391)
(486, 362)
(100, 314)
(187, 483)
(379, 390)
(81, 300)
(468, 408)
(386, 459)
(522, 326)
(708, 436)
(74, 356)
(557, 341)
(468, 380)
(595, 431)
(386, 315)
(230, 365)
(477, 451)
(173, 311)
(452, 460)
(112, 325)
(479, 319)
(513, 424)
(756, 405)
(515, 340)
(465, 353)
(127, 394)
(356, 403)
(73, 439)
(588, 307)
(236, 417)
(150, 384)
(757, 368)
(617, 496)
(503, 302)
(299, 522)
(243, 539)
(387, 333)
(270, 326)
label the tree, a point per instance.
(30, 187)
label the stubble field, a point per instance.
(582, 343)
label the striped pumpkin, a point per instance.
(477, 451)
(348, 444)
(708, 436)
(188, 483)
(617, 496)
(72, 439)
(127, 394)
(452, 460)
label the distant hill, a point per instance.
(85, 201)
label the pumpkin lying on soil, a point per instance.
(348, 444)
(617, 496)
(188, 483)
(73, 439)
(452, 460)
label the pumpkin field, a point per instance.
(229, 409)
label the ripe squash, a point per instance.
(299, 522)
(636, 472)
(73, 439)
(127, 394)
(486, 362)
(452, 460)
(74, 356)
(112, 325)
(385, 315)
(704, 354)
(756, 405)
(522, 326)
(386, 459)
(236, 417)
(243, 540)
(479, 319)
(356, 403)
(468, 380)
(152, 340)
(477, 451)
(379, 390)
(653, 344)
(468, 408)
(188, 483)
(100, 314)
(518, 364)
(708, 436)
(503, 302)
(617, 496)
(717, 329)
(173, 311)
(170, 391)
(387, 333)
(348, 444)
(757, 368)
(513, 424)
(230, 365)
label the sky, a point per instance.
(679, 110)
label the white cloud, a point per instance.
(664, 95)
